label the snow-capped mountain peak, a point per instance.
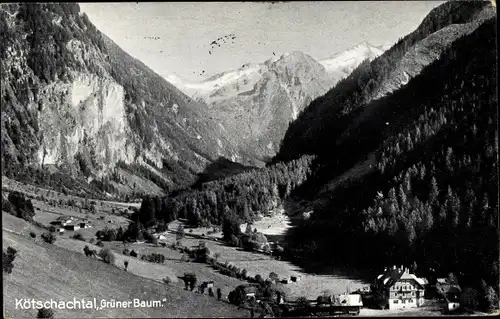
(231, 83)
(343, 63)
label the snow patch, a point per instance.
(227, 84)
(343, 63)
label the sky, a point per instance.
(174, 37)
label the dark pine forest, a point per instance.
(432, 197)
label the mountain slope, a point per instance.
(411, 176)
(43, 272)
(73, 100)
(267, 96)
(328, 117)
(431, 193)
(342, 64)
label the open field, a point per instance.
(50, 270)
(172, 268)
(55, 206)
(430, 309)
(34, 191)
(45, 213)
(274, 225)
(176, 267)
(309, 286)
(43, 271)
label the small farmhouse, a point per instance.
(343, 304)
(348, 300)
(250, 291)
(64, 221)
(161, 237)
(72, 226)
(295, 278)
(400, 288)
(450, 292)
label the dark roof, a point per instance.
(389, 277)
(248, 285)
(448, 288)
(248, 288)
(453, 295)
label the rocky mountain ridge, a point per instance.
(387, 73)
(74, 101)
(269, 95)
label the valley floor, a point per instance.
(61, 271)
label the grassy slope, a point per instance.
(310, 285)
(172, 267)
(44, 271)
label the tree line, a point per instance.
(240, 197)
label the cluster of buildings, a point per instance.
(70, 223)
(450, 292)
(399, 288)
(394, 288)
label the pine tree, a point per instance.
(392, 196)
(180, 233)
(488, 296)
(393, 209)
(442, 212)
(434, 191)
(402, 197)
(412, 235)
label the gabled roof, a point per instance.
(393, 275)
(409, 276)
(448, 288)
(390, 277)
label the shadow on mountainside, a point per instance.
(218, 169)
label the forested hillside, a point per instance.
(433, 195)
(240, 197)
